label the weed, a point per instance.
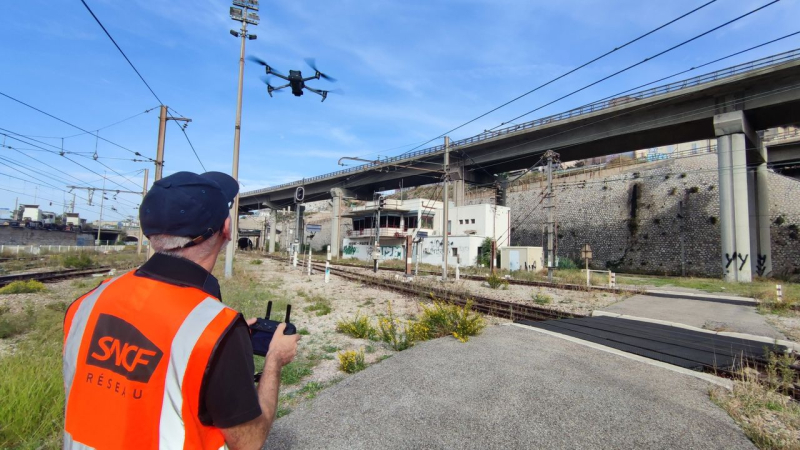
(15, 324)
(256, 262)
(320, 305)
(370, 349)
(495, 281)
(398, 335)
(357, 327)
(442, 319)
(77, 261)
(541, 299)
(32, 389)
(693, 190)
(330, 348)
(352, 361)
(295, 371)
(384, 358)
(303, 332)
(23, 287)
(310, 389)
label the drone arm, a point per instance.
(271, 72)
(313, 77)
(272, 88)
(321, 93)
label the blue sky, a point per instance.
(409, 70)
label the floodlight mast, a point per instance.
(240, 12)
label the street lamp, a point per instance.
(240, 11)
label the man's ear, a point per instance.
(226, 229)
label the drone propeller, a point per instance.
(263, 63)
(312, 63)
(270, 88)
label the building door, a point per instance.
(513, 260)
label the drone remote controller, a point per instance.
(262, 331)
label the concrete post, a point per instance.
(336, 226)
(273, 227)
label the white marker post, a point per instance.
(309, 259)
(779, 288)
(328, 266)
(295, 250)
(613, 279)
(458, 263)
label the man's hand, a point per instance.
(282, 348)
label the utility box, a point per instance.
(521, 258)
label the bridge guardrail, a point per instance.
(608, 102)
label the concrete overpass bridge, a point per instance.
(728, 104)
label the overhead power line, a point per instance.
(72, 125)
(99, 129)
(123, 53)
(183, 130)
(568, 73)
(650, 58)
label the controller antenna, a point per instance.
(288, 312)
(269, 309)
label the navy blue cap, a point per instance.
(188, 205)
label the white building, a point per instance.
(468, 226)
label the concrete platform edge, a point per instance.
(723, 382)
(767, 340)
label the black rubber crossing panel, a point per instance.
(685, 348)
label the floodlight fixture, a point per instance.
(234, 33)
(252, 18)
(252, 37)
(236, 13)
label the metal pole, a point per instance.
(445, 207)
(141, 232)
(328, 266)
(162, 131)
(102, 197)
(550, 217)
(235, 172)
(273, 230)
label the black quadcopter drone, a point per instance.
(295, 79)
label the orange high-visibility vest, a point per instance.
(135, 353)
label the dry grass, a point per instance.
(770, 419)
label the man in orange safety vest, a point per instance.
(153, 359)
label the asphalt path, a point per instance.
(511, 387)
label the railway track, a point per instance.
(54, 275)
(485, 305)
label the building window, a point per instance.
(460, 221)
(427, 222)
(473, 221)
(455, 251)
(411, 222)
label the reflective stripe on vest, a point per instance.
(171, 428)
(70, 444)
(75, 336)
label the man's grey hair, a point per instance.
(171, 245)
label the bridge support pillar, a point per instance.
(762, 264)
(273, 228)
(733, 132)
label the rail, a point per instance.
(606, 103)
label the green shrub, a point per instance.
(357, 327)
(352, 361)
(495, 281)
(320, 305)
(256, 262)
(79, 261)
(442, 319)
(566, 263)
(23, 287)
(541, 299)
(485, 257)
